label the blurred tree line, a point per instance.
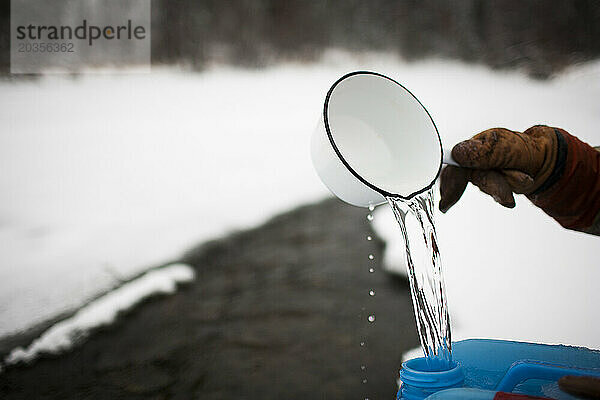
(541, 36)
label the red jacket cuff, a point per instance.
(573, 196)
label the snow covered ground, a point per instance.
(105, 176)
(103, 311)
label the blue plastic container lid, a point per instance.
(420, 373)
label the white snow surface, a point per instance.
(103, 311)
(105, 176)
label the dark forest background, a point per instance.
(540, 36)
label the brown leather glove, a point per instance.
(500, 162)
(557, 172)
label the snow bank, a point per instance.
(103, 311)
(103, 177)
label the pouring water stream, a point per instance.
(376, 142)
(427, 285)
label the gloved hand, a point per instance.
(555, 170)
(500, 162)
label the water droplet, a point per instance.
(371, 293)
(371, 270)
(371, 256)
(362, 344)
(370, 217)
(366, 398)
(371, 318)
(365, 380)
(369, 237)
(363, 367)
(371, 207)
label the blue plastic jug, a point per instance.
(482, 368)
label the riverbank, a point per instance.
(276, 311)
